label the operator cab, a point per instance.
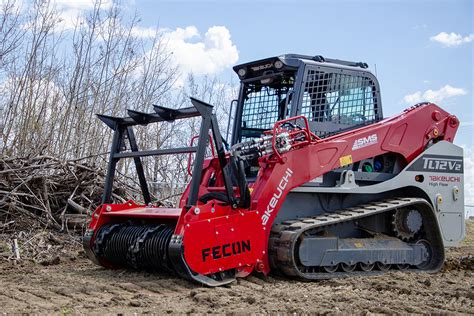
(334, 95)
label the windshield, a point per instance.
(334, 101)
(264, 103)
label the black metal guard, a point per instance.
(122, 127)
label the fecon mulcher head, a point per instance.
(316, 184)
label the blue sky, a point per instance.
(394, 35)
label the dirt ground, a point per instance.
(70, 284)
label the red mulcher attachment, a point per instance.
(142, 236)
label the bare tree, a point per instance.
(55, 81)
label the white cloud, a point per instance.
(190, 53)
(193, 52)
(82, 4)
(144, 32)
(69, 19)
(71, 11)
(199, 55)
(435, 96)
(452, 39)
(16, 4)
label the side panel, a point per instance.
(442, 168)
(224, 242)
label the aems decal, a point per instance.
(226, 250)
(276, 196)
(438, 163)
(365, 141)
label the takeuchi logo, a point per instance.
(276, 196)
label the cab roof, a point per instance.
(294, 61)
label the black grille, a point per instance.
(343, 99)
(263, 106)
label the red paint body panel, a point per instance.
(216, 225)
(221, 231)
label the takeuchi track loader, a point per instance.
(314, 183)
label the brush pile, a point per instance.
(50, 193)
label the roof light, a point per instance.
(278, 64)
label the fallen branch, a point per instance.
(76, 207)
(45, 189)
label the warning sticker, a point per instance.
(345, 160)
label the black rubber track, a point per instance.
(284, 238)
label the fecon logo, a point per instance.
(364, 142)
(226, 250)
(438, 163)
(276, 196)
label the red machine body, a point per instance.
(217, 237)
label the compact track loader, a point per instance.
(315, 183)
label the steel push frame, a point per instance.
(123, 129)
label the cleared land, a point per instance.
(69, 283)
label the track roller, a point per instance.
(331, 269)
(383, 267)
(366, 267)
(348, 267)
